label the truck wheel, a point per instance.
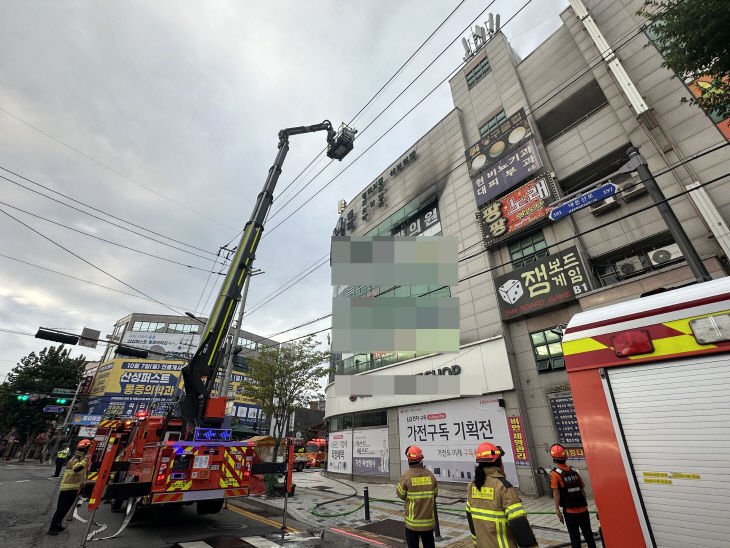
(210, 506)
(299, 467)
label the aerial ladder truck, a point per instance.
(191, 458)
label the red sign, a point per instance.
(87, 385)
(517, 210)
(519, 445)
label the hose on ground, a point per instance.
(353, 494)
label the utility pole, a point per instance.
(675, 227)
(226, 380)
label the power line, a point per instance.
(76, 200)
(87, 261)
(391, 103)
(111, 169)
(77, 278)
(102, 239)
(105, 220)
(547, 98)
(283, 289)
(564, 240)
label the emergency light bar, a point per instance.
(212, 434)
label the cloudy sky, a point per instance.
(163, 117)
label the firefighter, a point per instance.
(71, 482)
(495, 513)
(417, 487)
(61, 457)
(569, 494)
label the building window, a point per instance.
(603, 167)
(639, 258)
(247, 343)
(572, 111)
(119, 330)
(157, 327)
(528, 249)
(492, 124)
(182, 328)
(548, 350)
(477, 73)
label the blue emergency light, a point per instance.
(212, 434)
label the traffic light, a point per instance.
(22, 397)
(61, 401)
(56, 336)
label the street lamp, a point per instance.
(193, 317)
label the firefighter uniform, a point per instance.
(71, 482)
(417, 487)
(491, 509)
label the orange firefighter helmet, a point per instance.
(487, 452)
(414, 454)
(557, 451)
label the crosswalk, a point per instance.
(269, 541)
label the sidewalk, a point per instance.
(312, 487)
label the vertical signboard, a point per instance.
(502, 158)
(449, 432)
(547, 282)
(566, 423)
(370, 453)
(339, 458)
(517, 210)
(519, 445)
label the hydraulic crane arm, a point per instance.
(200, 374)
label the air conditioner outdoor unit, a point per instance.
(665, 254)
(629, 266)
(632, 188)
(603, 206)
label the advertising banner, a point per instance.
(370, 454)
(449, 432)
(703, 86)
(339, 458)
(142, 378)
(517, 210)
(502, 158)
(519, 446)
(175, 345)
(543, 284)
(247, 414)
(85, 420)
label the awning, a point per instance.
(318, 427)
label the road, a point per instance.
(28, 499)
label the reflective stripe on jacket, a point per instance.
(490, 510)
(74, 475)
(418, 488)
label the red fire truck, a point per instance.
(316, 453)
(650, 380)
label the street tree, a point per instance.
(38, 373)
(281, 379)
(694, 38)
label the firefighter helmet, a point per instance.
(557, 451)
(487, 452)
(414, 454)
(84, 445)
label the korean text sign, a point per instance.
(370, 453)
(339, 456)
(517, 210)
(449, 432)
(566, 423)
(548, 282)
(493, 166)
(141, 378)
(519, 444)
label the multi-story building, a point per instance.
(125, 385)
(525, 134)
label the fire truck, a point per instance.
(650, 380)
(191, 458)
(316, 453)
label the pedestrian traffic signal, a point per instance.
(22, 397)
(61, 401)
